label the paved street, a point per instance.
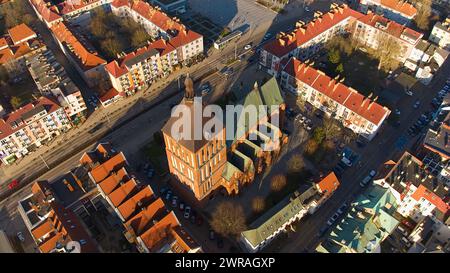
(373, 155)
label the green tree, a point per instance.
(319, 134)
(339, 69)
(334, 56)
(139, 38)
(16, 102)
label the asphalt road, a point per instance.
(381, 149)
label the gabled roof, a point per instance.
(402, 7)
(348, 97)
(103, 170)
(136, 202)
(160, 231)
(122, 192)
(21, 33)
(146, 218)
(328, 184)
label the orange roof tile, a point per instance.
(160, 231)
(21, 33)
(328, 184)
(111, 93)
(120, 194)
(102, 171)
(110, 183)
(423, 192)
(129, 207)
(3, 43)
(140, 222)
(43, 229)
(336, 91)
(400, 6)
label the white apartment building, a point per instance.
(29, 127)
(397, 10)
(440, 34)
(362, 115)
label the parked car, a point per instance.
(409, 93)
(150, 173)
(212, 235)
(187, 212)
(219, 242)
(205, 88)
(346, 161)
(174, 201)
(267, 36)
(416, 104)
(182, 206)
(193, 216)
(20, 236)
(322, 231)
(372, 173)
(402, 231)
(307, 9)
(14, 184)
(406, 242)
(335, 217)
(168, 195)
(163, 190)
(247, 47)
(366, 181)
(341, 210)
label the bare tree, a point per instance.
(296, 163)
(278, 182)
(228, 219)
(311, 147)
(330, 128)
(258, 204)
(422, 18)
(387, 52)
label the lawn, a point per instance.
(359, 70)
(157, 156)
(111, 34)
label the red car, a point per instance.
(13, 184)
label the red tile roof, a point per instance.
(348, 97)
(303, 33)
(86, 58)
(159, 231)
(111, 93)
(110, 183)
(120, 194)
(328, 184)
(102, 171)
(6, 122)
(423, 192)
(137, 201)
(401, 6)
(141, 221)
(21, 33)
(3, 43)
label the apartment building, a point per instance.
(80, 53)
(307, 39)
(52, 80)
(173, 44)
(31, 126)
(291, 209)
(147, 222)
(399, 11)
(440, 34)
(16, 46)
(362, 115)
(418, 192)
(54, 228)
(171, 6)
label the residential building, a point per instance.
(436, 140)
(363, 116)
(231, 156)
(110, 96)
(52, 80)
(418, 192)
(291, 209)
(171, 6)
(147, 222)
(399, 11)
(430, 236)
(307, 39)
(367, 223)
(16, 46)
(29, 127)
(440, 34)
(53, 227)
(80, 53)
(173, 44)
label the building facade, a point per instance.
(31, 126)
(399, 11)
(362, 115)
(440, 34)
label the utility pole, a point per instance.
(44, 162)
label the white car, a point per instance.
(187, 212)
(365, 181)
(373, 173)
(247, 47)
(20, 236)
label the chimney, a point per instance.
(282, 42)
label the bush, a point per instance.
(258, 204)
(278, 182)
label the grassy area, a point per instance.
(359, 70)
(111, 34)
(157, 156)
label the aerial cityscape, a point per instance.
(224, 126)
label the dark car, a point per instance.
(199, 221)
(193, 216)
(219, 242)
(322, 231)
(97, 127)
